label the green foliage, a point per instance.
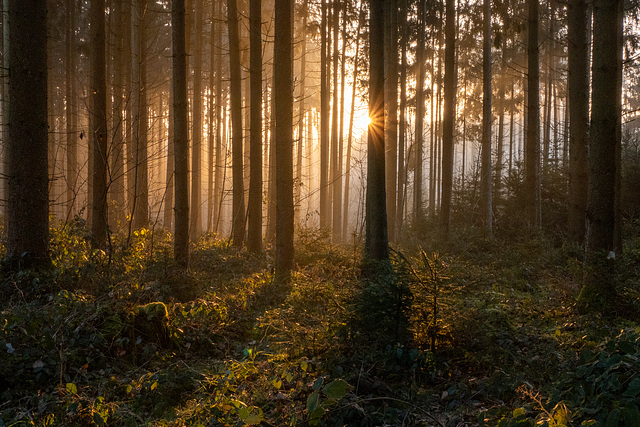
(443, 336)
(605, 385)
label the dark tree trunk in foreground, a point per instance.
(532, 143)
(236, 124)
(99, 122)
(254, 232)
(485, 193)
(449, 114)
(599, 288)
(578, 39)
(283, 87)
(180, 134)
(376, 242)
(28, 199)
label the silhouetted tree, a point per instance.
(376, 240)
(28, 198)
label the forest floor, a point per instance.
(462, 332)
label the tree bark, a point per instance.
(598, 291)
(578, 81)
(180, 134)
(532, 143)
(376, 240)
(402, 179)
(99, 122)
(449, 115)
(28, 198)
(254, 233)
(417, 184)
(485, 176)
(71, 112)
(391, 109)
(238, 214)
(283, 86)
(324, 122)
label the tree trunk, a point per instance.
(599, 287)
(324, 122)
(283, 87)
(335, 176)
(485, 176)
(401, 179)
(71, 112)
(417, 184)
(219, 164)
(140, 212)
(376, 241)
(28, 198)
(236, 125)
(532, 143)
(391, 108)
(254, 234)
(449, 115)
(180, 134)
(99, 121)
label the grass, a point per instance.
(460, 332)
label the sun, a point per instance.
(363, 122)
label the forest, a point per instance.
(320, 213)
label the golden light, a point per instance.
(363, 122)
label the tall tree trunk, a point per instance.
(449, 115)
(220, 110)
(140, 212)
(180, 134)
(532, 143)
(236, 125)
(99, 121)
(401, 179)
(324, 122)
(28, 198)
(335, 176)
(254, 234)
(117, 187)
(376, 241)
(283, 86)
(391, 108)
(196, 129)
(71, 111)
(170, 167)
(485, 176)
(417, 184)
(212, 102)
(599, 288)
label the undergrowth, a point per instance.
(459, 332)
